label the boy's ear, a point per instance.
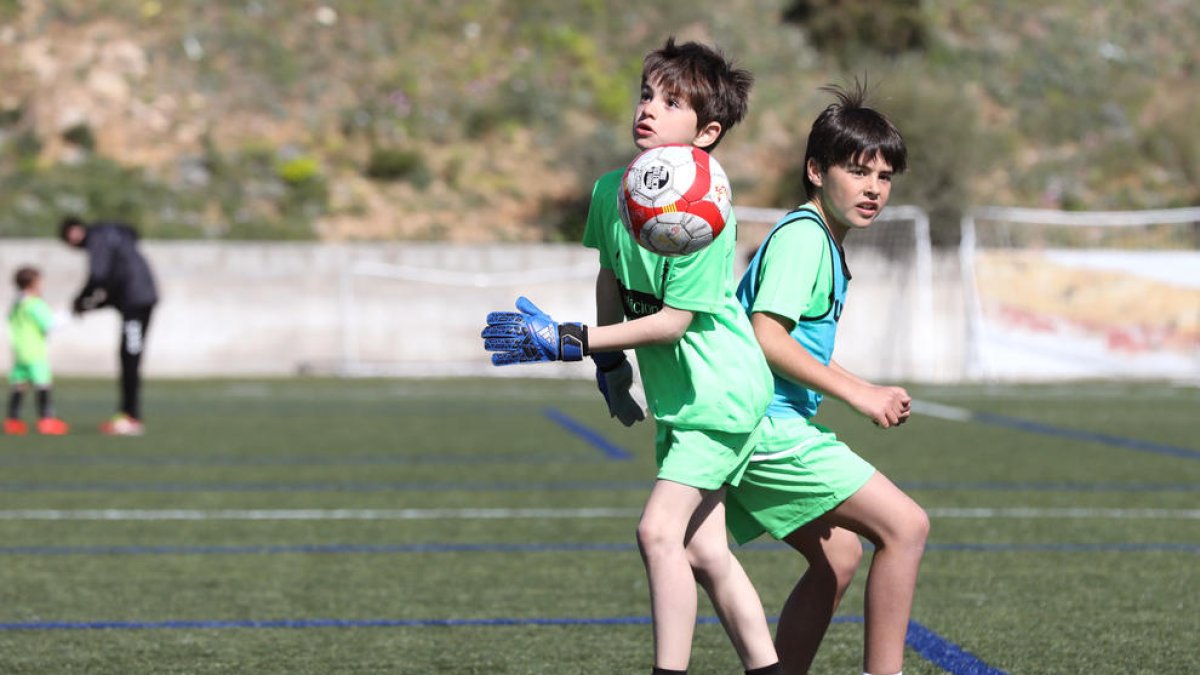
(814, 172)
(707, 135)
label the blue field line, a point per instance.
(311, 548)
(352, 549)
(945, 654)
(592, 437)
(995, 419)
(535, 486)
(931, 646)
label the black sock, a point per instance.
(664, 671)
(43, 404)
(14, 404)
(773, 669)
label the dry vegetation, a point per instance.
(475, 120)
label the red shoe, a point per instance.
(52, 426)
(15, 428)
(122, 425)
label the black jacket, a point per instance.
(118, 275)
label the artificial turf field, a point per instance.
(486, 526)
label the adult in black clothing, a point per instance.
(119, 277)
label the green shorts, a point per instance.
(799, 472)
(37, 373)
(702, 458)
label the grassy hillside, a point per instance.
(481, 120)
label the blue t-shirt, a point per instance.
(799, 272)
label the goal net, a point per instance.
(897, 325)
(421, 316)
(1068, 295)
(420, 313)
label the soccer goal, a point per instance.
(421, 315)
(897, 325)
(1069, 295)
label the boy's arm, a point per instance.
(885, 406)
(100, 263)
(840, 369)
(614, 373)
(664, 327)
(44, 317)
(608, 299)
(612, 333)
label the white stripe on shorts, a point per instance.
(794, 450)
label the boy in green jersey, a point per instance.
(803, 485)
(29, 321)
(706, 381)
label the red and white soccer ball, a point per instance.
(675, 199)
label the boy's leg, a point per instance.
(833, 555)
(13, 426)
(45, 406)
(15, 393)
(732, 594)
(898, 527)
(47, 423)
(660, 536)
(133, 342)
(801, 471)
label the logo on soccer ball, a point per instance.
(656, 178)
(674, 199)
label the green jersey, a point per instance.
(28, 323)
(715, 377)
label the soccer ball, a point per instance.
(674, 199)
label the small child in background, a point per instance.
(29, 322)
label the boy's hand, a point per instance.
(529, 335)
(885, 406)
(88, 300)
(614, 377)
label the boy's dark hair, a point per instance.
(67, 223)
(25, 277)
(849, 130)
(702, 76)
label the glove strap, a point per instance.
(572, 341)
(609, 361)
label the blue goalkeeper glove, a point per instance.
(529, 335)
(614, 377)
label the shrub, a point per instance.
(81, 135)
(846, 28)
(299, 169)
(394, 164)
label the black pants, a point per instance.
(134, 322)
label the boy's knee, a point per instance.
(916, 529)
(844, 560)
(652, 537)
(708, 560)
(837, 560)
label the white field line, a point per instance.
(585, 513)
(1066, 512)
(945, 412)
(312, 514)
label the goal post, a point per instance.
(1077, 295)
